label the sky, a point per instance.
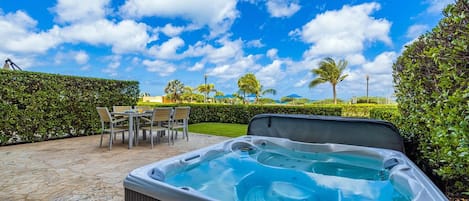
(156, 41)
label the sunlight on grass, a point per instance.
(220, 129)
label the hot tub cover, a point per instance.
(327, 129)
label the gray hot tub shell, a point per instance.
(147, 182)
(319, 134)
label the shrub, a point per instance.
(39, 106)
(432, 90)
(362, 110)
(371, 100)
(328, 101)
(241, 114)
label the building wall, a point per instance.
(153, 99)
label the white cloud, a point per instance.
(282, 8)
(163, 68)
(85, 67)
(416, 30)
(355, 59)
(171, 30)
(272, 53)
(380, 77)
(18, 34)
(304, 65)
(228, 50)
(124, 36)
(255, 43)
(269, 75)
(218, 15)
(113, 65)
(382, 64)
(333, 33)
(23, 61)
(295, 34)
(196, 67)
(72, 11)
(235, 70)
(81, 57)
(168, 49)
(303, 82)
(437, 6)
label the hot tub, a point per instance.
(289, 158)
(270, 168)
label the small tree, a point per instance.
(248, 84)
(261, 92)
(174, 88)
(206, 89)
(329, 71)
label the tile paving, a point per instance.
(78, 169)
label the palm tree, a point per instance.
(329, 71)
(174, 88)
(188, 93)
(206, 89)
(248, 84)
(261, 92)
(143, 94)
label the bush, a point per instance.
(372, 100)
(241, 114)
(362, 110)
(328, 101)
(387, 114)
(432, 90)
(39, 106)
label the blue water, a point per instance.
(284, 175)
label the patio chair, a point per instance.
(142, 122)
(121, 108)
(160, 116)
(112, 127)
(181, 120)
(143, 108)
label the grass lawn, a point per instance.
(220, 129)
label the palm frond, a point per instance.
(315, 82)
(269, 91)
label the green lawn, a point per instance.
(220, 129)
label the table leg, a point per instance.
(131, 130)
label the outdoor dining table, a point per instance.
(132, 114)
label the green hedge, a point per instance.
(38, 106)
(362, 110)
(241, 114)
(432, 89)
(388, 114)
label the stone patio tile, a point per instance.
(78, 169)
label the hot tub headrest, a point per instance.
(328, 129)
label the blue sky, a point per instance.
(155, 41)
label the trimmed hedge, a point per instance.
(432, 89)
(241, 114)
(388, 114)
(363, 110)
(39, 106)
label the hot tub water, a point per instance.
(267, 172)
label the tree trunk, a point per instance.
(244, 97)
(334, 93)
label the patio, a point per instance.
(78, 169)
